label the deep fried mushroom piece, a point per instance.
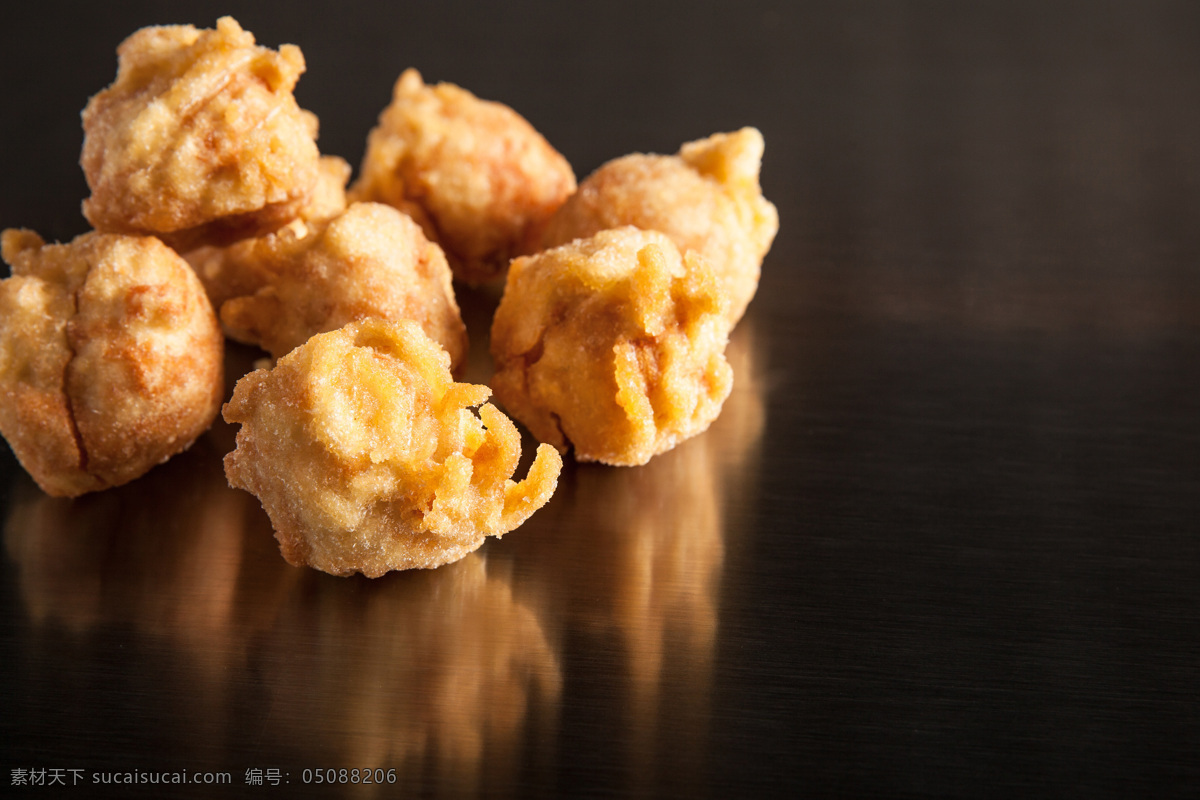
(476, 175)
(706, 198)
(367, 457)
(612, 344)
(369, 261)
(199, 139)
(110, 358)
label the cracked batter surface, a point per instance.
(706, 198)
(199, 139)
(613, 345)
(110, 358)
(235, 271)
(368, 457)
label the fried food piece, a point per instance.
(199, 140)
(474, 173)
(233, 271)
(367, 457)
(612, 344)
(369, 261)
(329, 197)
(110, 358)
(706, 198)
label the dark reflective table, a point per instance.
(944, 539)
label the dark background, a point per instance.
(943, 541)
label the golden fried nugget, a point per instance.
(474, 173)
(612, 344)
(369, 261)
(230, 271)
(706, 198)
(233, 271)
(367, 457)
(110, 358)
(329, 197)
(199, 140)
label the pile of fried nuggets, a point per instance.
(209, 192)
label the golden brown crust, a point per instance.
(706, 198)
(613, 345)
(367, 457)
(234, 271)
(368, 261)
(199, 139)
(110, 358)
(329, 197)
(476, 175)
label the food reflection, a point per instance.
(452, 677)
(631, 567)
(632, 558)
(437, 674)
(176, 553)
(733, 441)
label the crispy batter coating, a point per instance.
(367, 457)
(612, 344)
(706, 198)
(329, 197)
(110, 358)
(369, 261)
(199, 140)
(233, 271)
(474, 173)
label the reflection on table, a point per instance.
(455, 677)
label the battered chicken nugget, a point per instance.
(706, 198)
(110, 358)
(367, 457)
(199, 139)
(234, 271)
(474, 173)
(369, 261)
(613, 344)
